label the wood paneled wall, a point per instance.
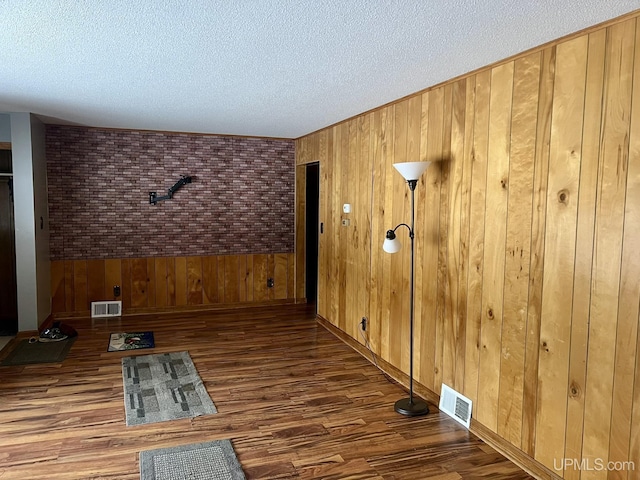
(170, 283)
(527, 240)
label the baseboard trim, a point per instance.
(392, 371)
(513, 453)
(492, 439)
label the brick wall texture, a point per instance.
(241, 200)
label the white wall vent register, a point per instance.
(455, 405)
(106, 309)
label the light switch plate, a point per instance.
(346, 208)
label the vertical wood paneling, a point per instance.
(324, 241)
(151, 282)
(221, 279)
(324, 197)
(605, 292)
(95, 280)
(171, 281)
(629, 294)
(139, 292)
(125, 267)
(518, 243)
(194, 281)
(560, 240)
(412, 153)
(249, 279)
(476, 234)
(69, 286)
(420, 240)
(452, 367)
(162, 293)
(112, 277)
(494, 244)
(57, 287)
(291, 276)
(377, 306)
(630, 242)
(209, 280)
(301, 149)
(181, 285)
(386, 149)
(399, 306)
(80, 302)
(280, 273)
(362, 241)
(584, 249)
(443, 287)
(231, 281)
(271, 275)
(349, 183)
(357, 245)
(429, 231)
(309, 149)
(341, 178)
(465, 220)
(242, 278)
(538, 225)
(260, 278)
(332, 225)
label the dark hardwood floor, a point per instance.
(295, 401)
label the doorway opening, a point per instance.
(312, 216)
(8, 284)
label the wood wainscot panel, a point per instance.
(80, 296)
(57, 287)
(194, 281)
(165, 284)
(161, 284)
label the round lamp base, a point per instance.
(411, 408)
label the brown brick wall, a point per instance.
(241, 200)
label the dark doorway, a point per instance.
(312, 216)
(8, 286)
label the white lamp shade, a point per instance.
(391, 246)
(411, 170)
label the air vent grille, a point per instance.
(106, 309)
(455, 405)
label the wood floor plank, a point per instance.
(295, 401)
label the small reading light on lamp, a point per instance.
(391, 243)
(411, 171)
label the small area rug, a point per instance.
(163, 387)
(201, 461)
(27, 353)
(119, 342)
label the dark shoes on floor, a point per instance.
(52, 335)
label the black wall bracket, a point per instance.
(154, 198)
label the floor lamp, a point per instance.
(411, 171)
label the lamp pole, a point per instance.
(411, 171)
(410, 406)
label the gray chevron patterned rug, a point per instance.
(163, 387)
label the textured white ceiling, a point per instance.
(278, 68)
